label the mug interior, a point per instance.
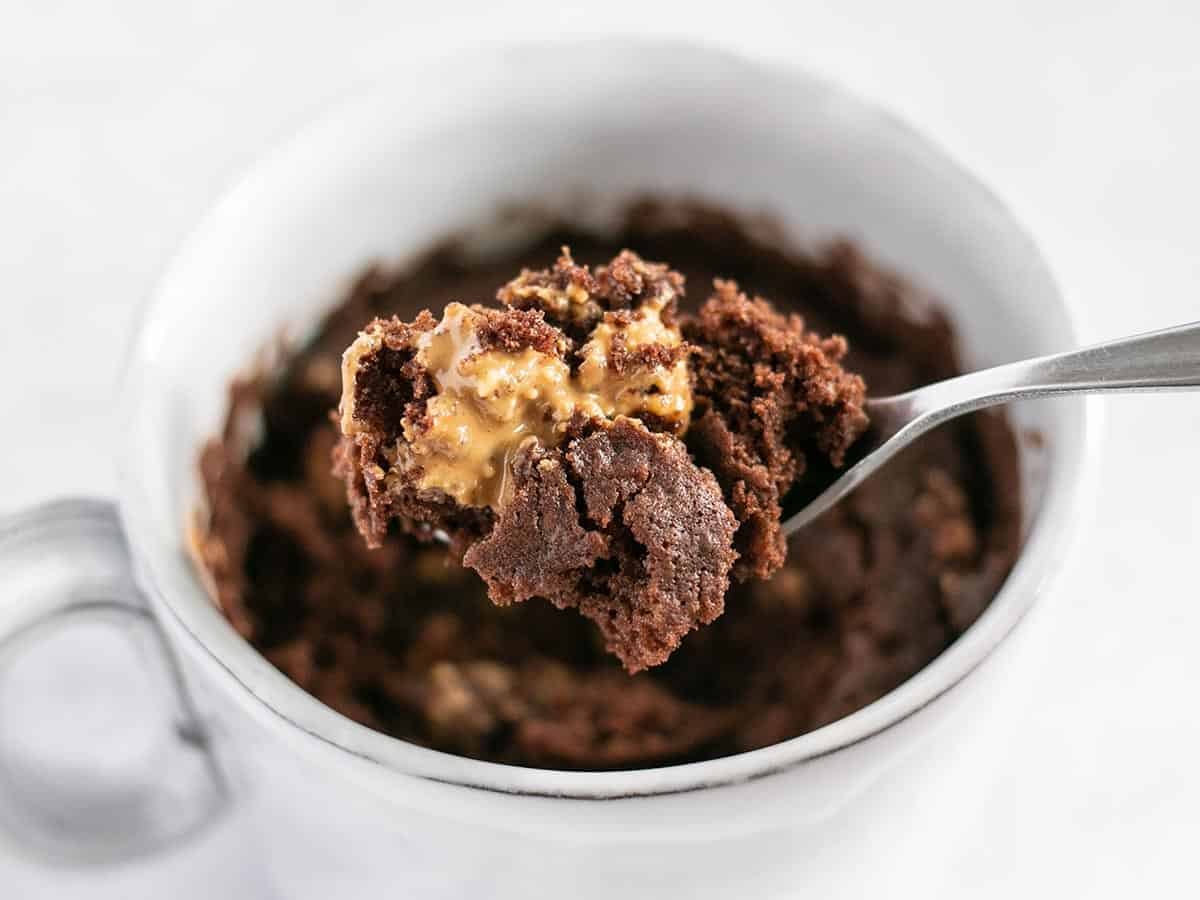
(438, 151)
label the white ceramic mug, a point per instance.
(348, 811)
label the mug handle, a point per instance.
(65, 568)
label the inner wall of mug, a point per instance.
(384, 177)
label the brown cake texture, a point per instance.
(405, 639)
(770, 393)
(648, 557)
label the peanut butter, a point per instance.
(664, 391)
(490, 401)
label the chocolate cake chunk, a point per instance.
(768, 393)
(538, 546)
(648, 557)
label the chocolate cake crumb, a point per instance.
(538, 547)
(768, 394)
(575, 299)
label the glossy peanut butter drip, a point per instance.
(491, 401)
(488, 403)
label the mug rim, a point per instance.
(302, 712)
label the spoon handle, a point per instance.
(1156, 361)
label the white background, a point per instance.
(120, 120)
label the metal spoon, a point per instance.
(1157, 361)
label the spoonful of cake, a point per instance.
(586, 443)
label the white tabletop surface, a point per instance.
(120, 120)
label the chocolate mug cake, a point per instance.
(403, 638)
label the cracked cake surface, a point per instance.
(648, 557)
